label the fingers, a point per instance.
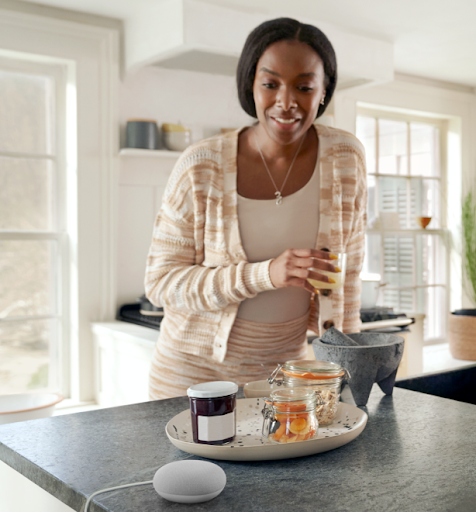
(314, 253)
(320, 277)
(303, 274)
(309, 263)
(295, 266)
(312, 258)
(301, 283)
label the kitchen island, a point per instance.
(417, 453)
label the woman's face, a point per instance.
(288, 87)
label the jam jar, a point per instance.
(213, 411)
(324, 377)
(290, 415)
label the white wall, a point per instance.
(197, 100)
(204, 103)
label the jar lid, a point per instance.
(292, 399)
(142, 121)
(212, 389)
(292, 394)
(311, 369)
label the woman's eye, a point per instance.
(269, 85)
(305, 89)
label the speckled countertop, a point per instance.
(417, 453)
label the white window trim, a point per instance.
(95, 53)
(442, 232)
(457, 104)
(63, 72)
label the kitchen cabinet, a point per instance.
(415, 454)
(19, 494)
(457, 384)
(143, 175)
(122, 355)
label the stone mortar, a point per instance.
(375, 359)
(334, 337)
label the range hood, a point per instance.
(195, 36)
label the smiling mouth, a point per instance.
(285, 121)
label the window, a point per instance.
(33, 236)
(406, 184)
(81, 57)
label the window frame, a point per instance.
(60, 71)
(442, 232)
(91, 47)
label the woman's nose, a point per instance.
(285, 98)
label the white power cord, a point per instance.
(112, 489)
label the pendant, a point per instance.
(279, 198)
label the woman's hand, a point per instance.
(291, 268)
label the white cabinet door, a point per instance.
(123, 354)
(18, 494)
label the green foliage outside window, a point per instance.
(39, 380)
(469, 244)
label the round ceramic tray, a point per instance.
(249, 444)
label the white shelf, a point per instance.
(381, 324)
(420, 231)
(154, 153)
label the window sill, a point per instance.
(419, 231)
(69, 406)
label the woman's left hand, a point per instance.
(292, 268)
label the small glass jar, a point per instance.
(290, 415)
(213, 411)
(324, 378)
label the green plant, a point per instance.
(469, 244)
(40, 378)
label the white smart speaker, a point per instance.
(189, 481)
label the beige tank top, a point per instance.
(267, 230)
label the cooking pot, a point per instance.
(370, 290)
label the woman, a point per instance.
(246, 214)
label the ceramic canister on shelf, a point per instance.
(176, 137)
(142, 134)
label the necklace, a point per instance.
(279, 197)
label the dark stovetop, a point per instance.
(131, 313)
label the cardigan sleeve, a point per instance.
(355, 252)
(173, 278)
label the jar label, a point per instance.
(216, 428)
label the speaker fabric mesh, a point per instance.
(189, 478)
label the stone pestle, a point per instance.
(334, 337)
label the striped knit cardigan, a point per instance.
(197, 268)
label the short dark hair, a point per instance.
(271, 32)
